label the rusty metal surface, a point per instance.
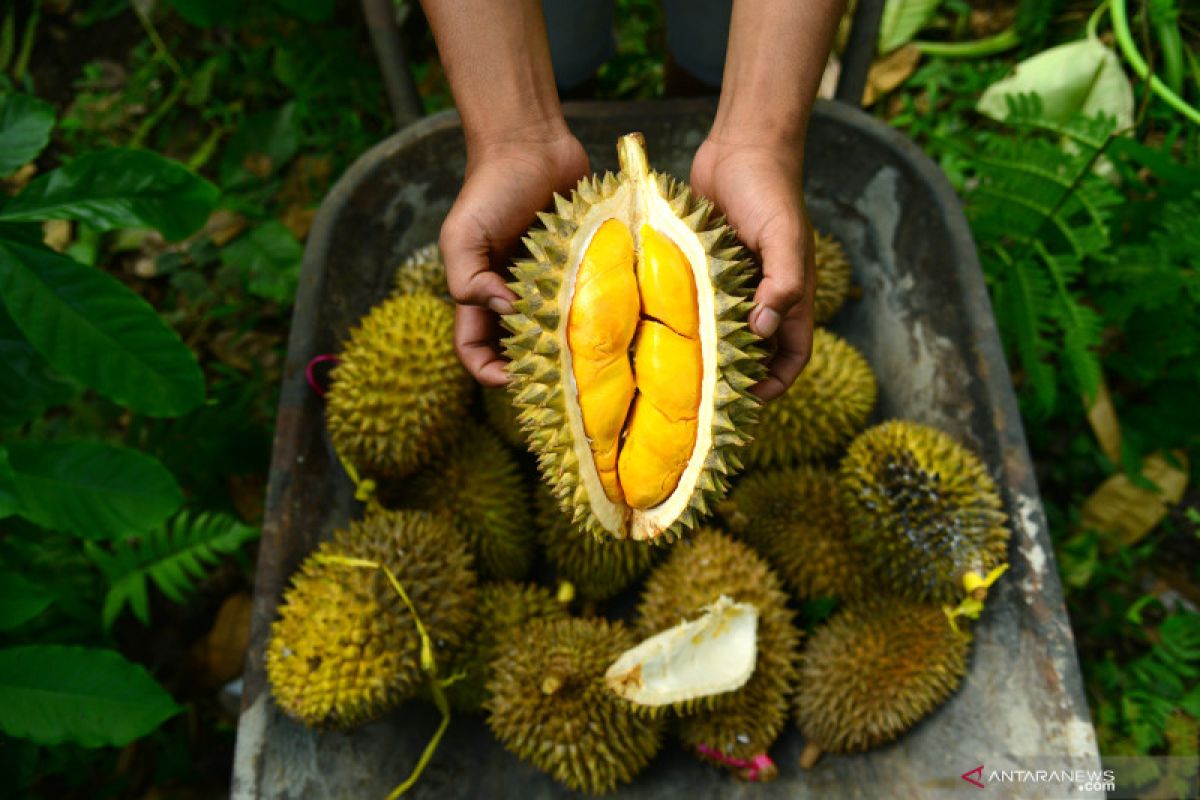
(924, 323)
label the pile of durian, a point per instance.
(510, 527)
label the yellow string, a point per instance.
(428, 663)
(971, 606)
(364, 488)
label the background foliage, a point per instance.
(160, 164)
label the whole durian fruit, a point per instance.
(833, 278)
(822, 411)
(631, 360)
(740, 724)
(550, 707)
(503, 608)
(345, 648)
(478, 484)
(598, 567)
(922, 509)
(423, 272)
(794, 518)
(873, 671)
(502, 416)
(398, 391)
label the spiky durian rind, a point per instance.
(833, 278)
(536, 364)
(398, 391)
(502, 609)
(922, 509)
(794, 518)
(696, 573)
(346, 647)
(875, 670)
(502, 416)
(423, 272)
(822, 411)
(598, 567)
(549, 704)
(478, 484)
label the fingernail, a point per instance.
(765, 322)
(501, 306)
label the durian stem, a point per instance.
(810, 755)
(631, 152)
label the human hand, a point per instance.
(508, 180)
(757, 185)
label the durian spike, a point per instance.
(810, 755)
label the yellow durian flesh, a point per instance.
(631, 357)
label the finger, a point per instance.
(793, 350)
(784, 251)
(477, 334)
(469, 274)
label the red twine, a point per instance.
(312, 379)
(759, 768)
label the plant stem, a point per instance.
(1005, 40)
(143, 130)
(27, 37)
(1120, 21)
(159, 45)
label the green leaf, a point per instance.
(308, 10)
(1078, 78)
(119, 189)
(173, 556)
(267, 138)
(90, 326)
(20, 600)
(207, 13)
(31, 386)
(52, 694)
(902, 20)
(268, 258)
(25, 125)
(92, 490)
(9, 502)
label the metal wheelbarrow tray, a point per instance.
(924, 323)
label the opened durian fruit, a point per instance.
(625, 425)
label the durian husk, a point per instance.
(423, 272)
(502, 416)
(598, 567)
(876, 669)
(833, 278)
(478, 484)
(540, 369)
(794, 518)
(398, 390)
(346, 648)
(503, 608)
(922, 509)
(550, 707)
(743, 723)
(821, 412)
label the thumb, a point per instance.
(469, 274)
(787, 259)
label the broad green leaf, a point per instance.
(9, 502)
(308, 10)
(20, 600)
(31, 386)
(902, 20)
(90, 326)
(264, 142)
(93, 490)
(25, 125)
(51, 694)
(268, 257)
(207, 13)
(119, 189)
(1078, 78)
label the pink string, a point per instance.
(755, 767)
(311, 378)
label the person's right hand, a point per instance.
(507, 182)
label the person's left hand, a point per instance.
(758, 188)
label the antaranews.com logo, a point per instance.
(1080, 780)
(1114, 777)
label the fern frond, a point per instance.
(1024, 297)
(173, 557)
(1081, 325)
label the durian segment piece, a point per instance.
(712, 654)
(398, 391)
(923, 510)
(874, 670)
(636, 436)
